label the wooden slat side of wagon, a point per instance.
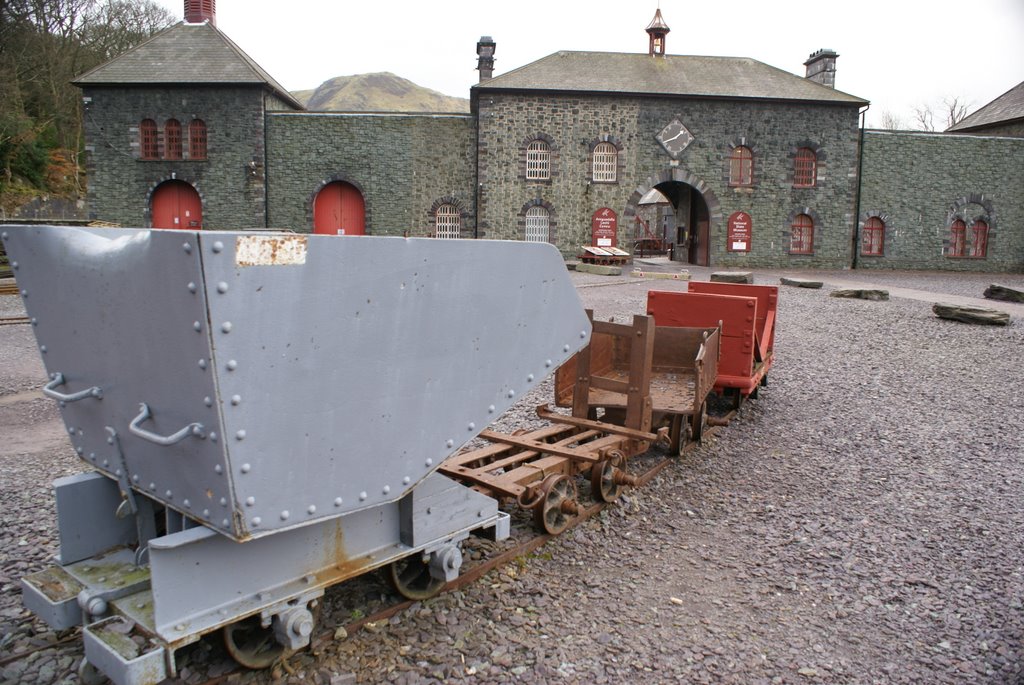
(681, 374)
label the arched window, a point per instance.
(741, 166)
(538, 160)
(606, 161)
(538, 225)
(147, 140)
(958, 239)
(979, 239)
(802, 235)
(172, 139)
(197, 139)
(805, 168)
(447, 221)
(873, 237)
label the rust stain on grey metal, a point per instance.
(261, 250)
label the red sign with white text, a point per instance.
(739, 232)
(604, 228)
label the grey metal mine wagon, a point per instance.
(263, 414)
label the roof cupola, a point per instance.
(657, 30)
(198, 11)
(485, 62)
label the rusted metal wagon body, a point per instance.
(747, 314)
(666, 379)
(264, 415)
(640, 377)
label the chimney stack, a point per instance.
(198, 11)
(821, 67)
(485, 63)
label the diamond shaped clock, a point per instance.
(674, 138)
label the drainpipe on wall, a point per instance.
(856, 205)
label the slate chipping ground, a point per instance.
(862, 522)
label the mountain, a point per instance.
(382, 92)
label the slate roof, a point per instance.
(185, 53)
(1007, 107)
(716, 77)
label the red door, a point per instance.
(339, 210)
(176, 204)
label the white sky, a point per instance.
(898, 54)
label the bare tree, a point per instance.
(955, 109)
(924, 118)
(892, 122)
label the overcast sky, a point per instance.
(899, 54)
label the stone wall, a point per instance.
(919, 182)
(404, 164)
(229, 181)
(774, 130)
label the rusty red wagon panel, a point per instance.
(747, 313)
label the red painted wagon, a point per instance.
(747, 313)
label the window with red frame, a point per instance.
(979, 239)
(802, 235)
(958, 239)
(148, 148)
(873, 237)
(805, 168)
(197, 139)
(741, 166)
(172, 139)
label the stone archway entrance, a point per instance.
(695, 210)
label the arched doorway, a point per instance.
(339, 209)
(693, 222)
(176, 204)
(692, 208)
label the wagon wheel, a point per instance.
(557, 504)
(697, 422)
(410, 576)
(603, 481)
(252, 645)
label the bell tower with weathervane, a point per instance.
(657, 30)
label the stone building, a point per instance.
(758, 166)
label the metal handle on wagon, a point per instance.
(195, 429)
(50, 390)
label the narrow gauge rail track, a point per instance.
(8, 288)
(12, 320)
(478, 570)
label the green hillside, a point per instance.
(381, 92)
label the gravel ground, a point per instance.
(861, 522)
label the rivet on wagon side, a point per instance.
(187, 247)
(250, 501)
(191, 287)
(246, 467)
(311, 509)
(218, 246)
(213, 437)
(232, 365)
(406, 480)
(202, 363)
(387, 489)
(338, 501)
(236, 400)
(240, 435)
(429, 462)
(285, 515)
(226, 327)
(256, 520)
(491, 409)
(218, 469)
(42, 348)
(362, 496)
(449, 443)
(222, 287)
